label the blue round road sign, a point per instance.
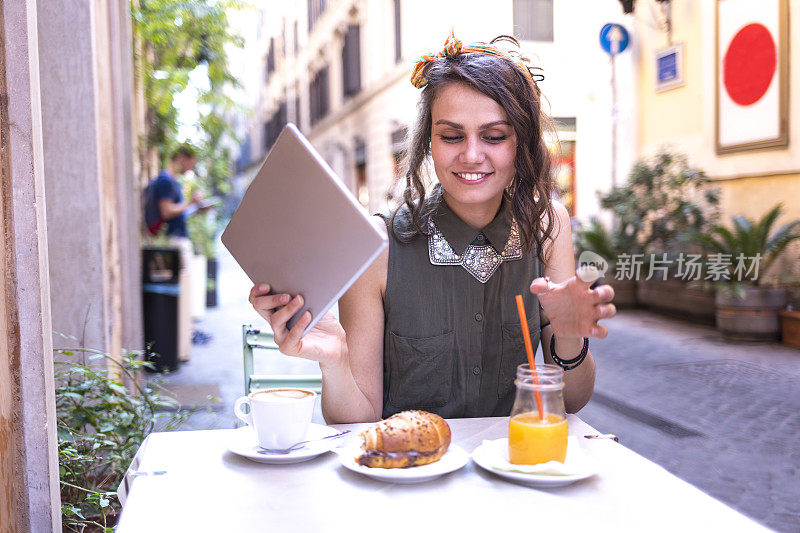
(614, 39)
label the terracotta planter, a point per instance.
(753, 317)
(790, 327)
(675, 298)
(624, 293)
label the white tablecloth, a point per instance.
(206, 488)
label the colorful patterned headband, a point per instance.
(453, 47)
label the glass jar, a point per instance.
(537, 428)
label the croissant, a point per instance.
(409, 438)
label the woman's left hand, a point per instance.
(573, 307)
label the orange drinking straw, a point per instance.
(526, 336)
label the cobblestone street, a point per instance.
(724, 417)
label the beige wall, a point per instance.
(72, 173)
(683, 118)
(92, 211)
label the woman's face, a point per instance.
(473, 146)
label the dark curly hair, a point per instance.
(531, 188)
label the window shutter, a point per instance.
(351, 61)
(533, 20)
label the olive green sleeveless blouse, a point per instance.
(452, 343)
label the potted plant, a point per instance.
(664, 199)
(203, 232)
(213, 182)
(747, 308)
(103, 414)
(594, 237)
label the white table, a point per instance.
(209, 489)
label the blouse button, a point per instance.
(478, 317)
(476, 370)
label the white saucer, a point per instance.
(578, 465)
(454, 458)
(243, 442)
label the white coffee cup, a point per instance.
(280, 416)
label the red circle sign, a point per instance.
(749, 64)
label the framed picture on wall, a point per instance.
(752, 75)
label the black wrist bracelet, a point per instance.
(568, 364)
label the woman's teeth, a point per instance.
(472, 176)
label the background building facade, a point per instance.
(752, 181)
(340, 70)
(684, 118)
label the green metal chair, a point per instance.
(256, 339)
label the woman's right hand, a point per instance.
(324, 343)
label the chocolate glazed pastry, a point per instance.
(410, 438)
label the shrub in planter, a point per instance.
(101, 422)
(678, 298)
(664, 199)
(747, 309)
(203, 231)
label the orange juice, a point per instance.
(532, 440)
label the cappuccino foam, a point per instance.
(282, 395)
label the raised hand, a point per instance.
(573, 307)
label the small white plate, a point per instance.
(243, 442)
(454, 458)
(488, 454)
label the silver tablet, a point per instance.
(299, 229)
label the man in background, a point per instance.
(173, 211)
(169, 193)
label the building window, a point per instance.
(362, 190)
(284, 47)
(245, 155)
(397, 49)
(297, 112)
(296, 38)
(533, 20)
(271, 57)
(398, 144)
(315, 10)
(274, 125)
(351, 61)
(318, 96)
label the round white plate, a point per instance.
(243, 442)
(454, 458)
(488, 454)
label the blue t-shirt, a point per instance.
(167, 187)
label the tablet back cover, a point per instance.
(299, 229)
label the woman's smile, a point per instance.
(472, 178)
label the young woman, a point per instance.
(433, 323)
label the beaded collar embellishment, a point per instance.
(480, 261)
